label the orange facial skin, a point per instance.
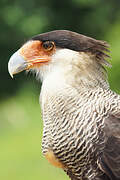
(35, 54)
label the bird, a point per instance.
(81, 114)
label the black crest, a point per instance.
(76, 42)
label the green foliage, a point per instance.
(113, 37)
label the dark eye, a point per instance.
(48, 45)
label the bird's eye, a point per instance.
(48, 45)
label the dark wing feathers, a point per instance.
(110, 159)
(77, 42)
(112, 126)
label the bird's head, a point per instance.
(60, 47)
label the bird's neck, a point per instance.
(83, 71)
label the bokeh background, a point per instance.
(20, 116)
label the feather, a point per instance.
(77, 42)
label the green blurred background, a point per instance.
(20, 117)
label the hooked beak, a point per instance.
(16, 64)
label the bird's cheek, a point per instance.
(36, 61)
(33, 54)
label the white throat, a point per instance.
(75, 68)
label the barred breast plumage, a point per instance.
(74, 126)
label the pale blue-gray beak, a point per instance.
(16, 64)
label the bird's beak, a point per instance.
(16, 64)
(28, 56)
